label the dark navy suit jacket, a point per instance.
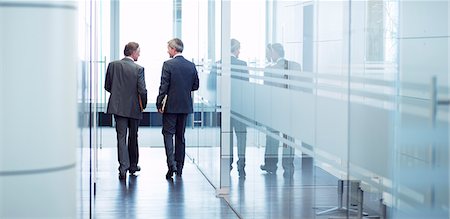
(178, 78)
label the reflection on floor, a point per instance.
(264, 195)
(279, 197)
(149, 195)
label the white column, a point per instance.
(38, 111)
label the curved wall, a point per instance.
(38, 109)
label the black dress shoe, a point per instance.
(133, 170)
(170, 173)
(268, 169)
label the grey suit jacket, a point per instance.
(178, 78)
(125, 80)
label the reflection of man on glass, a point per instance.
(239, 128)
(276, 53)
(236, 126)
(126, 83)
(178, 78)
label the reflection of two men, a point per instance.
(275, 56)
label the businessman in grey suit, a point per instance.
(178, 78)
(125, 81)
(239, 127)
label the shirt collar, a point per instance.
(178, 54)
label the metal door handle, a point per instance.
(435, 102)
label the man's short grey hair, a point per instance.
(176, 44)
(235, 45)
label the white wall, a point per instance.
(39, 111)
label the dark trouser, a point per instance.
(174, 123)
(128, 154)
(241, 134)
(271, 152)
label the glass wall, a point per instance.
(93, 50)
(421, 148)
(398, 92)
(273, 110)
(84, 185)
(201, 35)
(341, 107)
(373, 85)
(306, 109)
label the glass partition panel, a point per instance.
(372, 106)
(273, 106)
(330, 68)
(398, 113)
(93, 44)
(85, 192)
(203, 134)
(82, 207)
(421, 152)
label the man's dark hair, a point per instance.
(130, 48)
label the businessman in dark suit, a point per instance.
(125, 81)
(178, 78)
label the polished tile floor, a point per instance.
(150, 195)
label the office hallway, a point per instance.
(149, 194)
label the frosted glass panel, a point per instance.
(398, 130)
(424, 58)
